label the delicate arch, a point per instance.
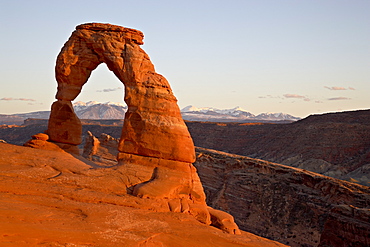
(153, 125)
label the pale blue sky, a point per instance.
(295, 56)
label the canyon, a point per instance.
(332, 144)
(290, 205)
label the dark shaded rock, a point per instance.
(289, 205)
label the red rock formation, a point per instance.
(149, 177)
(102, 150)
(153, 125)
(156, 150)
(64, 126)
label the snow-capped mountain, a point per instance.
(237, 114)
(276, 116)
(96, 110)
(112, 110)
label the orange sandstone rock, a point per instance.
(64, 126)
(153, 127)
(156, 150)
(153, 124)
(52, 198)
(41, 136)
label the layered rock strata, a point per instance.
(289, 205)
(332, 144)
(156, 151)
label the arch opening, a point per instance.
(102, 86)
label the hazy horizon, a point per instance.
(295, 57)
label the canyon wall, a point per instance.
(289, 205)
(333, 144)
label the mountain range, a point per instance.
(112, 110)
(237, 114)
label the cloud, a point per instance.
(107, 90)
(339, 98)
(269, 96)
(296, 96)
(288, 95)
(339, 88)
(20, 99)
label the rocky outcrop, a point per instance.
(289, 205)
(51, 198)
(153, 121)
(102, 150)
(153, 127)
(64, 126)
(149, 177)
(156, 151)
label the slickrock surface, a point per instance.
(50, 198)
(289, 205)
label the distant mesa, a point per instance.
(155, 151)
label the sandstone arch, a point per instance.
(156, 151)
(153, 126)
(155, 148)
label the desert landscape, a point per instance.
(147, 173)
(290, 205)
(155, 156)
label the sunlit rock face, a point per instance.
(156, 151)
(153, 125)
(51, 198)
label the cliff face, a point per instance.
(335, 144)
(289, 205)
